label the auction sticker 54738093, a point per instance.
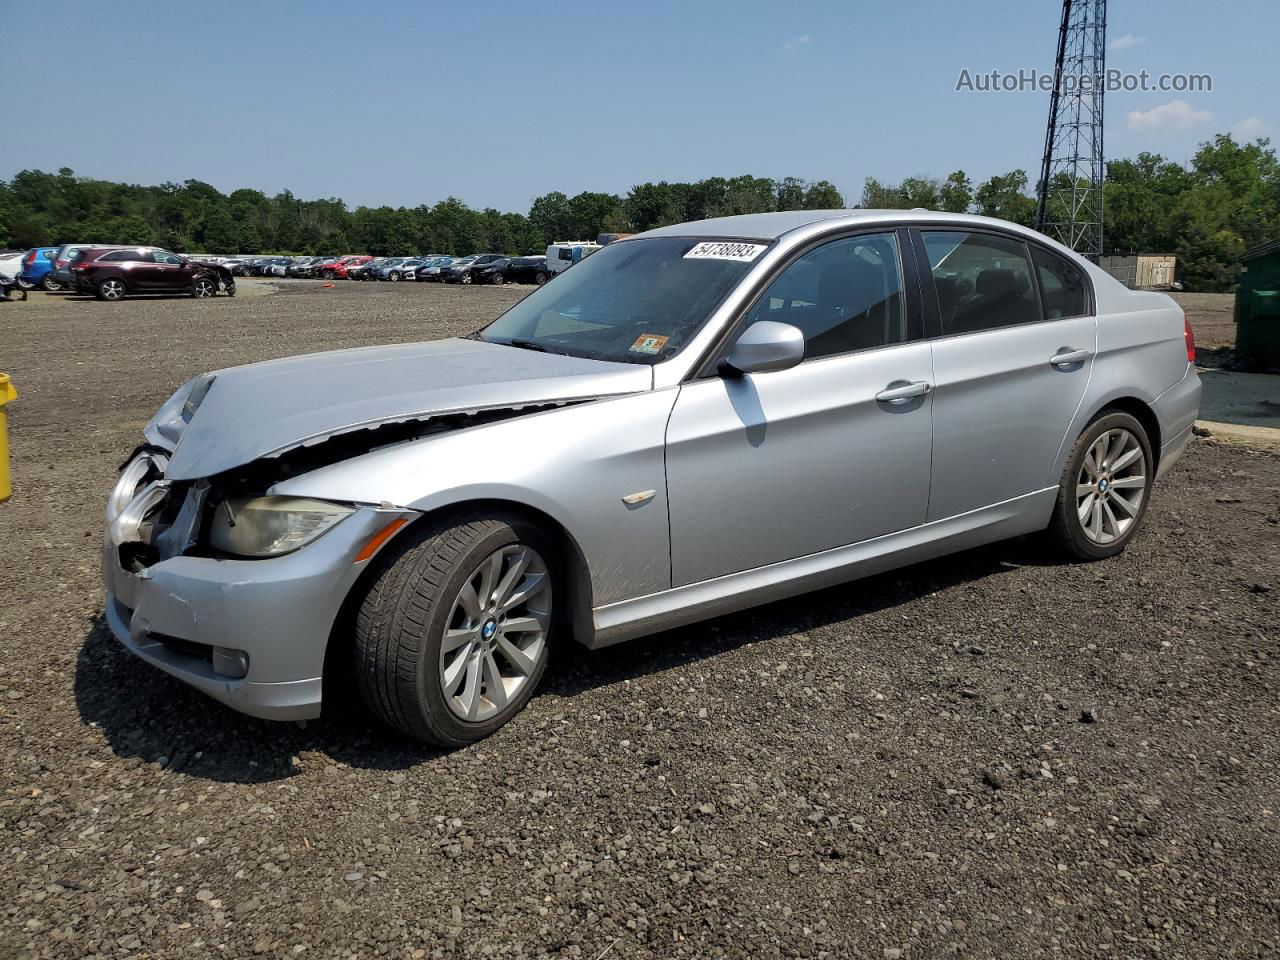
(726, 250)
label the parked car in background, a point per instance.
(337, 270)
(11, 265)
(63, 256)
(364, 271)
(311, 269)
(460, 270)
(430, 269)
(563, 255)
(513, 270)
(379, 272)
(37, 270)
(405, 269)
(563, 470)
(116, 273)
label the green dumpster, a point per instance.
(1258, 307)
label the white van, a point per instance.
(563, 255)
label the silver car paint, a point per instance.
(265, 409)
(577, 463)
(768, 467)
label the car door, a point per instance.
(1011, 358)
(766, 467)
(164, 272)
(142, 273)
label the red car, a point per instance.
(338, 269)
(113, 274)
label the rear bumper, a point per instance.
(1177, 409)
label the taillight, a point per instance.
(1190, 336)
(60, 264)
(80, 266)
(30, 258)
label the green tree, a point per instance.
(1005, 196)
(955, 195)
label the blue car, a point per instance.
(37, 270)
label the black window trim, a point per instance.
(918, 230)
(707, 367)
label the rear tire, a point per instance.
(433, 611)
(540, 278)
(111, 289)
(1104, 490)
(50, 285)
(24, 284)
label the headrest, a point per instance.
(995, 283)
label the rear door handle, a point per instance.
(1070, 357)
(904, 393)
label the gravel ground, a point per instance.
(984, 756)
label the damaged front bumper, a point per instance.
(204, 620)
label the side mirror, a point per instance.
(765, 346)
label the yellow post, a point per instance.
(7, 394)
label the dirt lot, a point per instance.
(986, 756)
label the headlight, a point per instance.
(271, 526)
(145, 468)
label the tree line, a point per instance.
(1207, 213)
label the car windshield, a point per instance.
(636, 301)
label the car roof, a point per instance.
(771, 226)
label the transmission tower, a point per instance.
(1069, 206)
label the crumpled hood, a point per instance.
(265, 409)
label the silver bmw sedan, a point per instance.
(690, 421)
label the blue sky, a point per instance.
(501, 101)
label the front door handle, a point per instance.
(904, 393)
(1070, 357)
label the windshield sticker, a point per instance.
(742, 252)
(649, 343)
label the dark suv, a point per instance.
(116, 274)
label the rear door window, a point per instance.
(983, 281)
(1062, 286)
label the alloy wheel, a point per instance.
(112, 289)
(1111, 486)
(497, 633)
(203, 288)
(50, 285)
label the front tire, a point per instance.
(540, 278)
(393, 276)
(498, 280)
(203, 287)
(1105, 489)
(50, 285)
(452, 636)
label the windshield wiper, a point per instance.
(523, 344)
